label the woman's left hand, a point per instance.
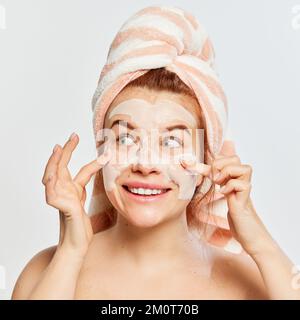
(245, 224)
(276, 269)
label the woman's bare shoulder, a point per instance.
(32, 272)
(242, 273)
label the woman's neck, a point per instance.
(165, 242)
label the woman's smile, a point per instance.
(145, 192)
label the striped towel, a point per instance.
(169, 37)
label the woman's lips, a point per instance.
(144, 197)
(138, 184)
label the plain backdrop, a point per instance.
(51, 55)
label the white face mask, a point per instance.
(135, 148)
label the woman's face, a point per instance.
(148, 132)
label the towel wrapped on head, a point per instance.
(170, 38)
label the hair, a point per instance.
(163, 79)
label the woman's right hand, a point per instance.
(68, 195)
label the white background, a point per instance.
(51, 55)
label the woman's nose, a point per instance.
(146, 162)
(145, 168)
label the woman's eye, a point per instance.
(171, 142)
(125, 139)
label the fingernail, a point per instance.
(105, 151)
(217, 176)
(101, 160)
(55, 148)
(188, 162)
(200, 168)
(72, 136)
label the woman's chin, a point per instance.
(145, 218)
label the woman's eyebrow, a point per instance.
(123, 123)
(178, 126)
(130, 126)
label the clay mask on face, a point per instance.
(138, 148)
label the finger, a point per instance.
(219, 156)
(52, 163)
(83, 198)
(220, 162)
(68, 148)
(86, 172)
(50, 188)
(106, 155)
(196, 167)
(240, 187)
(241, 172)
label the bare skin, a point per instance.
(157, 261)
(233, 277)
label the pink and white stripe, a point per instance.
(155, 37)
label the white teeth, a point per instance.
(145, 191)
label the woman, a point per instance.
(153, 233)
